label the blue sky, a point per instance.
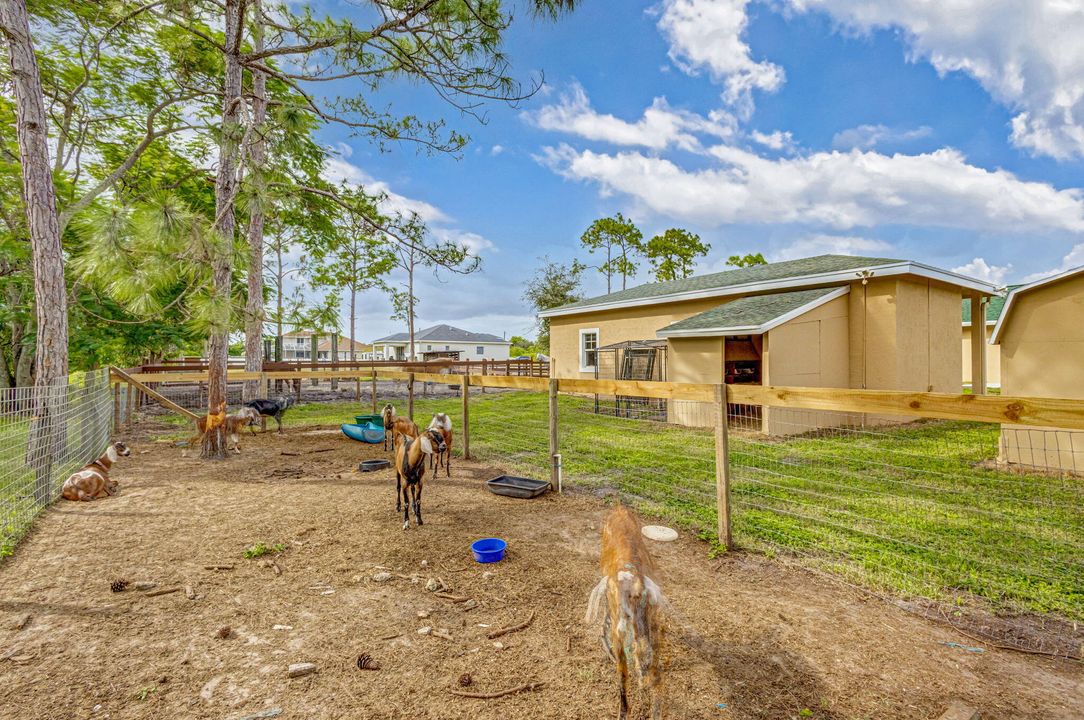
(949, 133)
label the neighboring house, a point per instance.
(298, 346)
(825, 321)
(994, 306)
(1041, 337)
(444, 341)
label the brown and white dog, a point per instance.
(92, 481)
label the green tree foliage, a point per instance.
(553, 285)
(620, 240)
(743, 261)
(672, 253)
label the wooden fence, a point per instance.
(516, 368)
(1044, 413)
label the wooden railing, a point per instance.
(515, 368)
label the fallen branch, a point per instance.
(291, 454)
(164, 591)
(502, 693)
(392, 637)
(218, 567)
(318, 450)
(453, 598)
(514, 628)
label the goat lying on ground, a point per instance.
(632, 632)
(394, 426)
(236, 424)
(410, 457)
(92, 481)
(271, 408)
(442, 423)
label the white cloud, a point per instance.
(1027, 54)
(834, 189)
(337, 171)
(473, 242)
(777, 140)
(979, 268)
(708, 34)
(496, 150)
(660, 127)
(832, 245)
(1072, 260)
(867, 137)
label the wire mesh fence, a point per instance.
(45, 435)
(971, 523)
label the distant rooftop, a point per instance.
(443, 333)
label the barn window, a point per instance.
(588, 349)
(480, 350)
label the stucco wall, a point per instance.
(811, 350)
(694, 360)
(636, 323)
(993, 357)
(904, 335)
(1042, 355)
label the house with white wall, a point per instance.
(443, 341)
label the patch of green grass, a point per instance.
(916, 509)
(260, 549)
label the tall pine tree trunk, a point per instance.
(214, 441)
(254, 310)
(50, 292)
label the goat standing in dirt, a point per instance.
(394, 426)
(443, 424)
(92, 481)
(410, 457)
(236, 424)
(632, 631)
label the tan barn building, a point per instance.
(1040, 334)
(994, 306)
(825, 321)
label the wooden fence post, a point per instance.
(465, 392)
(553, 434)
(483, 374)
(410, 396)
(722, 469)
(374, 391)
(116, 407)
(335, 359)
(129, 397)
(265, 388)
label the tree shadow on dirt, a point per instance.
(760, 681)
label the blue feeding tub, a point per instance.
(488, 550)
(364, 432)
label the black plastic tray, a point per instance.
(517, 487)
(370, 465)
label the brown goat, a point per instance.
(208, 422)
(92, 481)
(394, 426)
(443, 423)
(410, 457)
(633, 631)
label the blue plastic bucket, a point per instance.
(488, 550)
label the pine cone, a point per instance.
(365, 662)
(118, 585)
(465, 680)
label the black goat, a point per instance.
(271, 408)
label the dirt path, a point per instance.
(772, 642)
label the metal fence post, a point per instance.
(553, 435)
(129, 396)
(116, 407)
(465, 392)
(722, 469)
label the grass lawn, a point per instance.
(911, 509)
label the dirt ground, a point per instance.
(767, 641)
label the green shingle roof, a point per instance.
(738, 276)
(749, 312)
(993, 307)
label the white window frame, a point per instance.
(584, 367)
(480, 350)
